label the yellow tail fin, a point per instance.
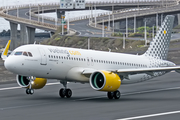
(5, 51)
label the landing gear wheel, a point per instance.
(27, 91)
(62, 93)
(117, 94)
(110, 95)
(31, 91)
(68, 93)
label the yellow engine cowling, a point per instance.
(105, 81)
(25, 82)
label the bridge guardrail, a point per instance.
(4, 10)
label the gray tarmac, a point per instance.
(155, 96)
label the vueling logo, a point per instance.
(74, 52)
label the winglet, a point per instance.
(5, 51)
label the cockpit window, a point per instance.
(25, 54)
(12, 53)
(18, 53)
(30, 54)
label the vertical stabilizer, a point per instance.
(5, 51)
(160, 45)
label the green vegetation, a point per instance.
(103, 44)
(140, 32)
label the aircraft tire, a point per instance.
(27, 91)
(110, 95)
(31, 91)
(68, 93)
(62, 93)
(117, 94)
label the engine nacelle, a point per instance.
(105, 81)
(25, 82)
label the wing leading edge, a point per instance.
(137, 71)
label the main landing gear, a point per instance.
(115, 95)
(64, 92)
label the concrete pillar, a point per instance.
(178, 16)
(59, 13)
(30, 35)
(23, 35)
(14, 33)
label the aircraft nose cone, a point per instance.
(8, 64)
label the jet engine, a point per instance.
(35, 83)
(105, 81)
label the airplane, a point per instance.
(104, 71)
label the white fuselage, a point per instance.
(68, 63)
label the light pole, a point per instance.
(153, 32)
(42, 15)
(145, 32)
(113, 23)
(156, 22)
(56, 19)
(124, 41)
(38, 12)
(134, 23)
(68, 24)
(88, 43)
(138, 6)
(103, 29)
(95, 15)
(89, 15)
(126, 27)
(18, 9)
(109, 22)
(29, 12)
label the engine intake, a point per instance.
(25, 82)
(105, 81)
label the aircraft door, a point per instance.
(43, 56)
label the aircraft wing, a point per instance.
(147, 70)
(137, 70)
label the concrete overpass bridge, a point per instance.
(29, 19)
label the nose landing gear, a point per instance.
(64, 92)
(30, 90)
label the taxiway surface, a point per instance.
(159, 95)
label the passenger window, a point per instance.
(18, 53)
(30, 54)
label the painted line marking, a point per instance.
(152, 115)
(11, 88)
(133, 93)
